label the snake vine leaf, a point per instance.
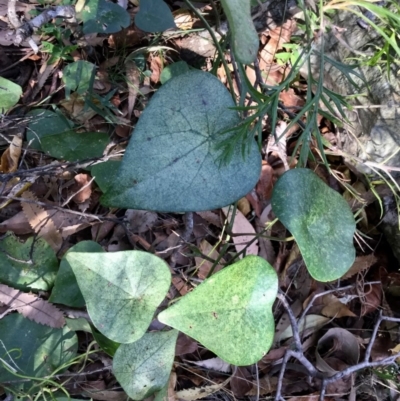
(144, 367)
(122, 290)
(320, 220)
(230, 313)
(173, 160)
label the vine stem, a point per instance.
(217, 45)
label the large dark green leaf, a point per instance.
(154, 16)
(27, 265)
(74, 146)
(143, 367)
(173, 162)
(43, 123)
(66, 290)
(101, 16)
(244, 36)
(122, 290)
(230, 313)
(33, 350)
(320, 220)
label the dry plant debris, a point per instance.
(331, 339)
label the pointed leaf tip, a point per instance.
(172, 163)
(122, 290)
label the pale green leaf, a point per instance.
(122, 290)
(143, 367)
(9, 94)
(320, 220)
(230, 313)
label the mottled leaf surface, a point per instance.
(143, 367)
(230, 313)
(173, 163)
(320, 220)
(122, 290)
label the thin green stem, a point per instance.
(217, 45)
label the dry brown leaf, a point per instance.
(242, 225)
(371, 299)
(211, 217)
(182, 287)
(264, 386)
(41, 221)
(361, 263)
(334, 308)
(266, 182)
(200, 392)
(82, 188)
(183, 19)
(133, 81)
(340, 344)
(32, 307)
(140, 221)
(171, 393)
(241, 382)
(130, 36)
(76, 107)
(18, 224)
(156, 68)
(185, 345)
(10, 157)
(311, 397)
(214, 364)
(203, 265)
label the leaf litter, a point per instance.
(69, 213)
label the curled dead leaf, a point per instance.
(10, 157)
(41, 221)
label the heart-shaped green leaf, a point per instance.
(320, 220)
(143, 367)
(66, 290)
(9, 94)
(154, 16)
(77, 76)
(33, 350)
(73, 146)
(27, 265)
(172, 162)
(245, 40)
(101, 16)
(230, 313)
(44, 123)
(173, 70)
(122, 290)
